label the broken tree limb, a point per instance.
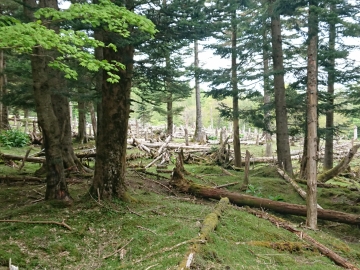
(30, 159)
(295, 185)
(11, 178)
(343, 164)
(62, 224)
(162, 147)
(209, 224)
(227, 185)
(323, 249)
(187, 186)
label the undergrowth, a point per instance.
(155, 232)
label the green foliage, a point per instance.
(253, 190)
(77, 45)
(14, 138)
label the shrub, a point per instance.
(14, 138)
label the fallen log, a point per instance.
(8, 178)
(323, 249)
(343, 164)
(187, 186)
(30, 159)
(209, 224)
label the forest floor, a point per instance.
(157, 231)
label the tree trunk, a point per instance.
(82, 136)
(169, 115)
(61, 108)
(93, 118)
(267, 89)
(282, 135)
(198, 136)
(109, 178)
(235, 92)
(187, 186)
(4, 116)
(44, 79)
(329, 135)
(312, 100)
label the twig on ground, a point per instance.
(118, 250)
(133, 212)
(63, 224)
(227, 185)
(146, 229)
(168, 249)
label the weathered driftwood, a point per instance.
(295, 185)
(209, 224)
(187, 186)
(323, 249)
(343, 164)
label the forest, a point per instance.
(179, 134)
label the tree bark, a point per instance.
(186, 186)
(235, 93)
(114, 111)
(82, 136)
(312, 118)
(329, 135)
(4, 116)
(282, 135)
(198, 136)
(44, 79)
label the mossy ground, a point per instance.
(161, 219)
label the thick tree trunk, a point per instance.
(44, 79)
(282, 135)
(312, 100)
(187, 186)
(329, 135)
(109, 178)
(235, 92)
(198, 136)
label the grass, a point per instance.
(152, 229)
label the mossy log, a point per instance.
(322, 248)
(30, 159)
(187, 186)
(343, 164)
(209, 224)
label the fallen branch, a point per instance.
(227, 185)
(6, 178)
(118, 250)
(299, 190)
(63, 224)
(25, 157)
(343, 164)
(209, 224)
(166, 249)
(146, 229)
(323, 249)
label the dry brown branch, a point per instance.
(227, 185)
(299, 190)
(25, 157)
(146, 229)
(118, 250)
(133, 212)
(166, 249)
(343, 164)
(63, 224)
(302, 235)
